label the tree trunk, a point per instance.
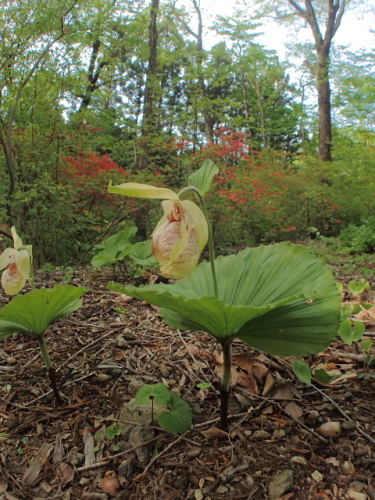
(324, 106)
(149, 119)
(335, 11)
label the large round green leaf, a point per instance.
(35, 311)
(278, 298)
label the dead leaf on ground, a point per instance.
(215, 433)
(293, 409)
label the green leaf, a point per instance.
(35, 311)
(323, 376)
(302, 371)
(358, 287)
(113, 430)
(203, 178)
(366, 344)
(204, 385)
(157, 391)
(351, 331)
(279, 298)
(141, 254)
(114, 248)
(346, 311)
(179, 418)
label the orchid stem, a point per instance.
(211, 249)
(51, 370)
(225, 383)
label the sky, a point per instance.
(354, 33)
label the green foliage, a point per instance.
(114, 249)
(113, 430)
(302, 371)
(179, 416)
(351, 331)
(277, 300)
(117, 248)
(33, 312)
(359, 238)
(358, 287)
(158, 392)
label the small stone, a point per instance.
(260, 435)
(360, 452)
(194, 452)
(356, 485)
(278, 434)
(103, 377)
(356, 495)
(126, 469)
(347, 468)
(247, 433)
(280, 483)
(227, 474)
(299, 460)
(11, 361)
(75, 458)
(330, 429)
(121, 342)
(146, 323)
(134, 385)
(349, 425)
(222, 489)
(126, 331)
(123, 445)
(312, 417)
(139, 435)
(317, 476)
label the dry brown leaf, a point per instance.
(285, 391)
(293, 410)
(215, 433)
(269, 384)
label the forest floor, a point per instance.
(275, 447)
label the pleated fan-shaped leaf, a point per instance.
(279, 298)
(33, 312)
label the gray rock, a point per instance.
(126, 469)
(139, 435)
(348, 425)
(259, 435)
(228, 474)
(280, 483)
(133, 412)
(75, 458)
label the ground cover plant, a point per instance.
(251, 295)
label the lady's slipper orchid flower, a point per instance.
(181, 234)
(17, 263)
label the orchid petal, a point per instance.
(12, 280)
(23, 262)
(7, 257)
(179, 238)
(137, 190)
(17, 240)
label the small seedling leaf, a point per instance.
(346, 312)
(112, 431)
(358, 287)
(302, 371)
(366, 344)
(159, 392)
(204, 385)
(351, 331)
(323, 376)
(179, 418)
